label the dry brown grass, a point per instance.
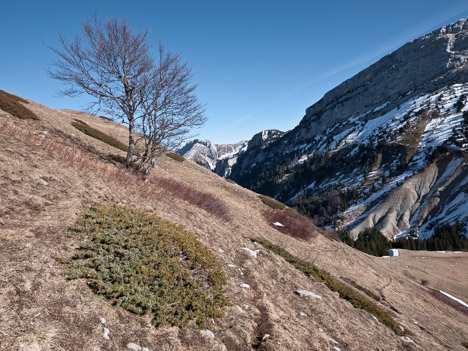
(42, 190)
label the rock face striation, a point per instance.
(395, 135)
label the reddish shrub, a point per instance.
(91, 166)
(205, 201)
(448, 301)
(295, 226)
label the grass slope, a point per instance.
(334, 284)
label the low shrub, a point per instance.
(14, 106)
(272, 203)
(175, 156)
(294, 224)
(107, 118)
(90, 166)
(148, 265)
(345, 291)
(97, 134)
(465, 344)
(363, 289)
(205, 201)
(448, 301)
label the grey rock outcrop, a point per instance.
(425, 64)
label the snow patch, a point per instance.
(208, 333)
(303, 293)
(454, 298)
(252, 253)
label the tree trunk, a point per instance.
(150, 166)
(131, 141)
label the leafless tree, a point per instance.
(114, 65)
(171, 109)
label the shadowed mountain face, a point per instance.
(386, 148)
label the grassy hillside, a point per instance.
(51, 176)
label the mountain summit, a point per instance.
(385, 148)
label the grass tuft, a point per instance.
(345, 291)
(97, 134)
(148, 265)
(175, 156)
(13, 105)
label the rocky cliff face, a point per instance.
(386, 148)
(221, 158)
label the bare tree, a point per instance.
(171, 109)
(114, 65)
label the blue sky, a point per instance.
(258, 63)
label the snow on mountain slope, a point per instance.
(221, 158)
(381, 149)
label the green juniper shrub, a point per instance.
(14, 106)
(175, 156)
(272, 203)
(97, 134)
(344, 290)
(148, 265)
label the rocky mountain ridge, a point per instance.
(220, 158)
(386, 148)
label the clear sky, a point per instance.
(258, 63)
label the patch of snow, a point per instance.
(461, 302)
(336, 348)
(252, 253)
(244, 286)
(308, 293)
(266, 336)
(302, 314)
(406, 339)
(106, 333)
(220, 250)
(381, 107)
(134, 347)
(278, 224)
(103, 320)
(208, 333)
(334, 341)
(230, 265)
